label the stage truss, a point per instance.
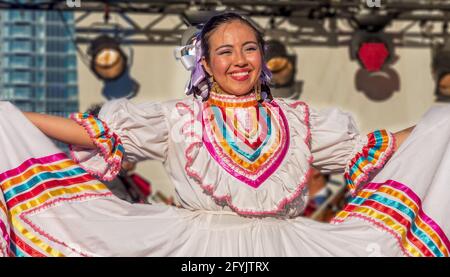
(330, 23)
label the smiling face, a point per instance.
(235, 58)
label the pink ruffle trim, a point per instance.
(53, 203)
(380, 226)
(355, 184)
(113, 157)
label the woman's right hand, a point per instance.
(60, 128)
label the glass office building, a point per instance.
(38, 70)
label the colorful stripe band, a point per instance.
(34, 185)
(379, 148)
(398, 210)
(107, 142)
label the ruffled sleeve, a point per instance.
(337, 147)
(122, 130)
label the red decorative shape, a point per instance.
(373, 55)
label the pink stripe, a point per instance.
(30, 162)
(4, 232)
(416, 199)
(183, 106)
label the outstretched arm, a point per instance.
(60, 128)
(401, 136)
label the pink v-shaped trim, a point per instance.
(255, 183)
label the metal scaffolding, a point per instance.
(298, 23)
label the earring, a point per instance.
(211, 80)
(265, 92)
(215, 86)
(258, 91)
(212, 83)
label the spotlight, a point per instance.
(280, 64)
(372, 50)
(369, 45)
(441, 71)
(108, 61)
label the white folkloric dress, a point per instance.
(239, 168)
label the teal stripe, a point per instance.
(405, 210)
(378, 144)
(256, 154)
(371, 153)
(100, 126)
(120, 147)
(41, 177)
(16, 250)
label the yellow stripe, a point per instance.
(40, 200)
(341, 215)
(419, 222)
(388, 221)
(93, 125)
(34, 171)
(232, 105)
(255, 166)
(364, 163)
(393, 225)
(35, 239)
(32, 203)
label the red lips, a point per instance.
(240, 77)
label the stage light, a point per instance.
(281, 64)
(372, 50)
(441, 71)
(370, 46)
(283, 67)
(108, 61)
